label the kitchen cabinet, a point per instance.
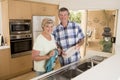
(4, 62)
(20, 65)
(19, 9)
(44, 9)
(11, 67)
(36, 9)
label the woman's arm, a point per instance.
(37, 57)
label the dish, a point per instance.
(70, 52)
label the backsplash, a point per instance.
(97, 20)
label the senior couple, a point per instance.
(65, 35)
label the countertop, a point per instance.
(4, 47)
(109, 69)
(108, 66)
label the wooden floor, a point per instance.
(27, 76)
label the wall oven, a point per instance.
(21, 44)
(20, 37)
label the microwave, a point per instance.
(20, 26)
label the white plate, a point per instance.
(70, 52)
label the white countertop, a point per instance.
(106, 70)
(109, 69)
(4, 47)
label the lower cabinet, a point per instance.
(20, 65)
(4, 63)
(11, 67)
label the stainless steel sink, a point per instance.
(71, 71)
(69, 74)
(74, 69)
(91, 62)
(86, 65)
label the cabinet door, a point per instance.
(44, 9)
(4, 62)
(36, 8)
(52, 10)
(19, 10)
(21, 64)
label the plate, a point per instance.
(71, 51)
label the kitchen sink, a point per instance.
(72, 70)
(91, 62)
(67, 74)
(71, 73)
(86, 65)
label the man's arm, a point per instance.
(81, 42)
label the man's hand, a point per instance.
(80, 43)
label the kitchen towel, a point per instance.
(50, 63)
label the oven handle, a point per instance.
(20, 40)
(21, 23)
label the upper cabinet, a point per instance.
(44, 9)
(19, 9)
(25, 10)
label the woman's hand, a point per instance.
(51, 53)
(59, 51)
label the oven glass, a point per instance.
(20, 27)
(21, 45)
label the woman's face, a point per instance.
(63, 16)
(48, 28)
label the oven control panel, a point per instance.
(21, 36)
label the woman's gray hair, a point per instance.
(47, 21)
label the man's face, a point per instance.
(63, 16)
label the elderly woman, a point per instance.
(43, 48)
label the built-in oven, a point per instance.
(21, 44)
(20, 37)
(20, 26)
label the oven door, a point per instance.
(21, 46)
